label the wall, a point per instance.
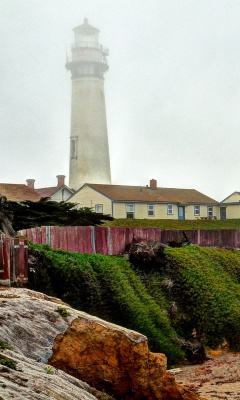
(141, 211)
(232, 211)
(61, 195)
(112, 241)
(88, 197)
(189, 212)
(234, 197)
(13, 260)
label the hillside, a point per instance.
(180, 298)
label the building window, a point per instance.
(170, 209)
(150, 210)
(210, 211)
(197, 210)
(130, 210)
(99, 208)
(73, 147)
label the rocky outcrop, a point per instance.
(115, 359)
(106, 356)
(32, 380)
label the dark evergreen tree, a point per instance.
(28, 214)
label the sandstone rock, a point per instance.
(106, 356)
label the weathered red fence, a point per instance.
(113, 241)
(13, 260)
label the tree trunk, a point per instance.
(6, 225)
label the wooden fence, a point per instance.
(13, 260)
(113, 241)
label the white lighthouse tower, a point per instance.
(89, 153)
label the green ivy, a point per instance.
(206, 287)
(105, 286)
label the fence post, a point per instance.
(109, 241)
(48, 235)
(93, 239)
(6, 259)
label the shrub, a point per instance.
(8, 363)
(62, 311)
(4, 345)
(49, 370)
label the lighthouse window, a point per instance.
(73, 149)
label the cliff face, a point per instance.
(106, 356)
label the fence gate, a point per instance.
(13, 260)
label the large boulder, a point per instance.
(104, 355)
(116, 360)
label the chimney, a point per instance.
(30, 183)
(153, 184)
(61, 179)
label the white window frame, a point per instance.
(210, 211)
(170, 209)
(130, 209)
(151, 210)
(197, 210)
(99, 208)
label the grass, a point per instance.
(8, 363)
(4, 345)
(175, 224)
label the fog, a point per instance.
(172, 90)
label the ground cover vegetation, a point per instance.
(174, 296)
(175, 224)
(105, 286)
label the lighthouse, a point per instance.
(89, 151)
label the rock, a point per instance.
(116, 360)
(174, 371)
(109, 357)
(30, 381)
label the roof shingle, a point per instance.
(18, 192)
(146, 194)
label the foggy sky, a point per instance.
(172, 90)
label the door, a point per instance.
(223, 214)
(181, 212)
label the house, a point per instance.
(151, 201)
(230, 206)
(18, 192)
(58, 193)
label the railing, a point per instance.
(13, 260)
(97, 46)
